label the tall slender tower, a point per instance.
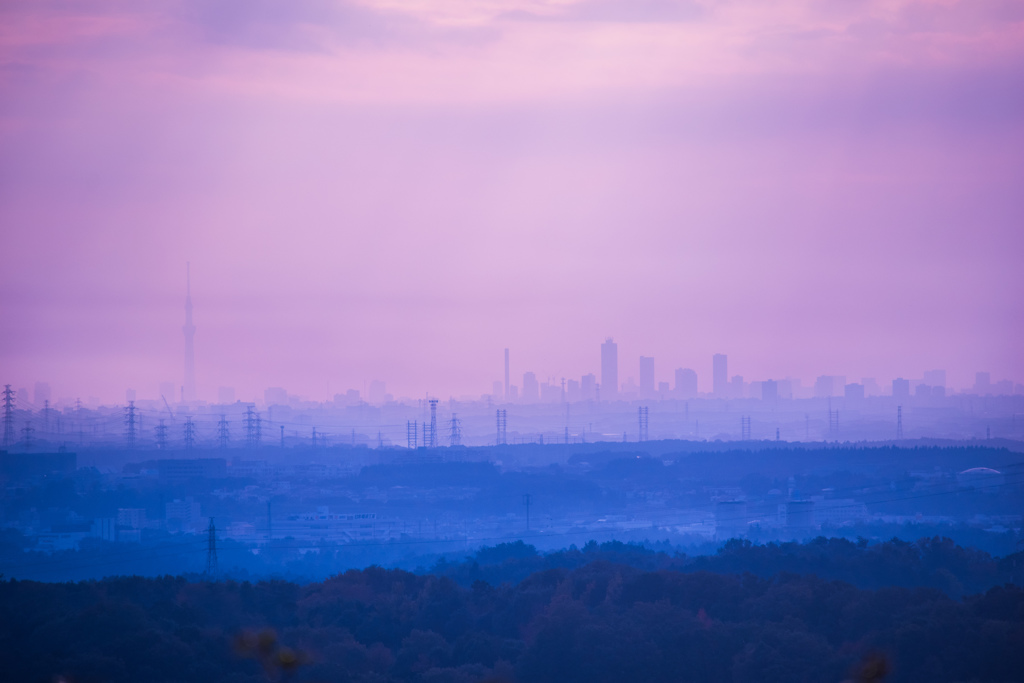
(189, 387)
(506, 375)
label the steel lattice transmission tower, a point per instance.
(455, 432)
(8, 416)
(129, 424)
(190, 434)
(411, 433)
(433, 424)
(211, 548)
(502, 426)
(161, 435)
(223, 435)
(252, 428)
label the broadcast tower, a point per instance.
(188, 389)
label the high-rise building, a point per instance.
(189, 387)
(769, 390)
(646, 376)
(531, 389)
(588, 386)
(609, 368)
(720, 375)
(901, 388)
(686, 383)
(275, 396)
(853, 392)
(42, 394)
(935, 378)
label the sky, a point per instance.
(400, 190)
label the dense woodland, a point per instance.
(599, 613)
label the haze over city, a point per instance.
(512, 341)
(399, 192)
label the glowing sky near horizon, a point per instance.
(400, 190)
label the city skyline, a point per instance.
(845, 205)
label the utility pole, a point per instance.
(211, 548)
(526, 501)
(190, 434)
(222, 432)
(8, 416)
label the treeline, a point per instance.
(601, 621)
(926, 563)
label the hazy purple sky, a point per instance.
(399, 190)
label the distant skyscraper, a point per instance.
(189, 387)
(823, 386)
(531, 389)
(935, 378)
(609, 368)
(275, 396)
(41, 394)
(686, 383)
(588, 384)
(506, 375)
(720, 375)
(646, 376)
(901, 388)
(769, 390)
